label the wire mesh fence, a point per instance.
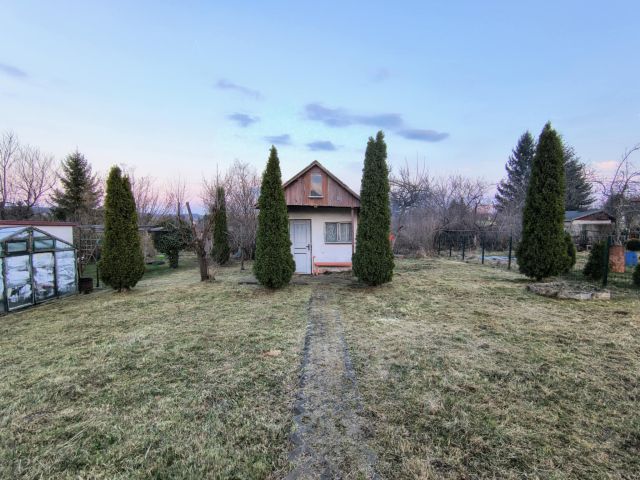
(498, 248)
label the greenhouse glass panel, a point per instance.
(43, 244)
(66, 272)
(17, 246)
(1, 286)
(43, 276)
(18, 278)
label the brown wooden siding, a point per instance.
(334, 195)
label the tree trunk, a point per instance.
(204, 267)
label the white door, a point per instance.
(300, 234)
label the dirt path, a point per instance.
(328, 437)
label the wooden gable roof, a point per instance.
(335, 193)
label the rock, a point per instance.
(567, 292)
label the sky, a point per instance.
(182, 89)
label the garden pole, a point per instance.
(450, 247)
(439, 244)
(510, 250)
(464, 242)
(482, 240)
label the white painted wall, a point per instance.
(326, 252)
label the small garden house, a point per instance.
(323, 219)
(35, 266)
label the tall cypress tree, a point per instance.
(121, 263)
(80, 191)
(274, 263)
(513, 190)
(373, 258)
(220, 250)
(579, 193)
(542, 251)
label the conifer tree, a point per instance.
(121, 263)
(579, 192)
(542, 251)
(80, 191)
(220, 250)
(373, 259)
(274, 264)
(513, 190)
(596, 262)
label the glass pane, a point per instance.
(345, 232)
(43, 278)
(1, 286)
(18, 281)
(331, 232)
(66, 272)
(316, 185)
(43, 244)
(20, 246)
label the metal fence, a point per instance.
(497, 248)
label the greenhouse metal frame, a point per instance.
(35, 267)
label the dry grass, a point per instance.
(464, 374)
(169, 380)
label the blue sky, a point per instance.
(178, 88)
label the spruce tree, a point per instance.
(274, 264)
(220, 250)
(579, 193)
(542, 251)
(571, 254)
(80, 191)
(513, 190)
(121, 263)
(596, 262)
(373, 258)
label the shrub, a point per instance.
(542, 250)
(633, 245)
(172, 240)
(122, 262)
(595, 266)
(570, 259)
(274, 263)
(373, 259)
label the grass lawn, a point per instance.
(464, 374)
(169, 380)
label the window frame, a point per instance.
(311, 194)
(339, 240)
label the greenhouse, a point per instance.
(34, 267)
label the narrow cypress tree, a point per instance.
(542, 251)
(274, 263)
(570, 258)
(373, 258)
(220, 251)
(121, 262)
(80, 191)
(512, 191)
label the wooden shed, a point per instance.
(323, 220)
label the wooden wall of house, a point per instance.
(334, 194)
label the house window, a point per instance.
(316, 185)
(337, 232)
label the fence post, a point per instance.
(97, 275)
(510, 250)
(482, 241)
(450, 247)
(464, 242)
(439, 244)
(605, 276)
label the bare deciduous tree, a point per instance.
(34, 176)
(621, 191)
(150, 205)
(242, 185)
(9, 147)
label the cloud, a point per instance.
(380, 75)
(422, 135)
(607, 165)
(12, 71)
(227, 85)
(339, 117)
(321, 145)
(284, 139)
(242, 119)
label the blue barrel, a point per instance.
(630, 259)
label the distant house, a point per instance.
(588, 226)
(323, 220)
